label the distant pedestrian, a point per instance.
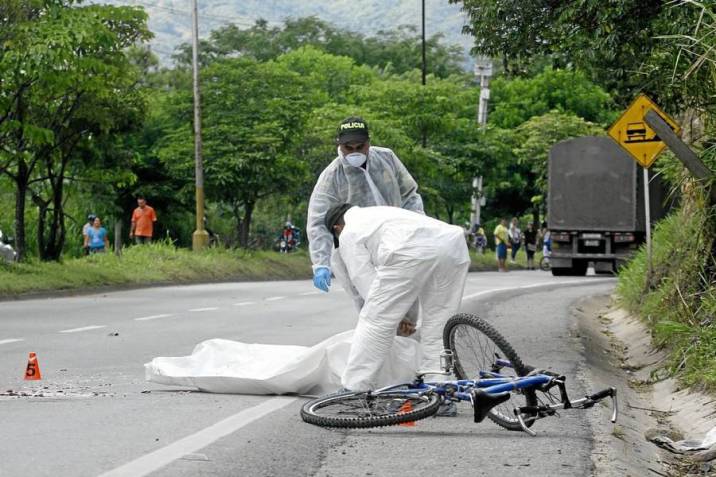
(480, 241)
(515, 238)
(530, 237)
(143, 219)
(501, 240)
(546, 241)
(96, 240)
(85, 227)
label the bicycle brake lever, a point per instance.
(522, 423)
(615, 405)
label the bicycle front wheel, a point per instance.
(476, 346)
(364, 409)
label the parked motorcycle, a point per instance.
(7, 253)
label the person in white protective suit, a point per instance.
(362, 175)
(394, 257)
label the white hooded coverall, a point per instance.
(384, 181)
(395, 257)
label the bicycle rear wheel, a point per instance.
(476, 346)
(544, 264)
(362, 409)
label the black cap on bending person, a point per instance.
(334, 216)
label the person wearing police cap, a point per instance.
(361, 175)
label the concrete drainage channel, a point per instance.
(618, 352)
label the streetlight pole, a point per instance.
(483, 70)
(200, 238)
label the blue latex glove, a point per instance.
(322, 278)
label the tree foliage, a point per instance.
(65, 80)
(396, 51)
(616, 43)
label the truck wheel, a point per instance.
(561, 271)
(579, 268)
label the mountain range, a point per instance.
(170, 20)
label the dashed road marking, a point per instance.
(274, 298)
(11, 340)
(84, 328)
(244, 303)
(152, 317)
(311, 293)
(153, 461)
(204, 309)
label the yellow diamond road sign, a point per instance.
(632, 133)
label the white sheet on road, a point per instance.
(224, 366)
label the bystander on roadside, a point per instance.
(515, 238)
(143, 219)
(530, 236)
(501, 240)
(96, 240)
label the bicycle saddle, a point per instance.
(483, 402)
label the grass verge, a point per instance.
(678, 301)
(157, 263)
(162, 263)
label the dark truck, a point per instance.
(595, 205)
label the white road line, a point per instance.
(244, 303)
(11, 340)
(152, 317)
(204, 309)
(84, 328)
(310, 293)
(537, 285)
(274, 298)
(156, 460)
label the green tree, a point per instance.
(396, 51)
(66, 79)
(616, 43)
(250, 134)
(533, 140)
(514, 101)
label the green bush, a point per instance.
(678, 301)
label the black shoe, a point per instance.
(447, 409)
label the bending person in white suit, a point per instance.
(394, 257)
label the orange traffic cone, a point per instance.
(32, 372)
(406, 407)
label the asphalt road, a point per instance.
(93, 414)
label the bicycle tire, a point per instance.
(544, 264)
(423, 405)
(501, 415)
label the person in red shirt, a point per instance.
(143, 219)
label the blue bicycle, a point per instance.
(491, 377)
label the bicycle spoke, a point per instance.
(477, 352)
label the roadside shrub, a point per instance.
(678, 301)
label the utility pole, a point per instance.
(483, 71)
(424, 68)
(423, 37)
(200, 238)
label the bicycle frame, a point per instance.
(493, 383)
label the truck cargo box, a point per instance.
(594, 185)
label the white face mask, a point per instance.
(356, 159)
